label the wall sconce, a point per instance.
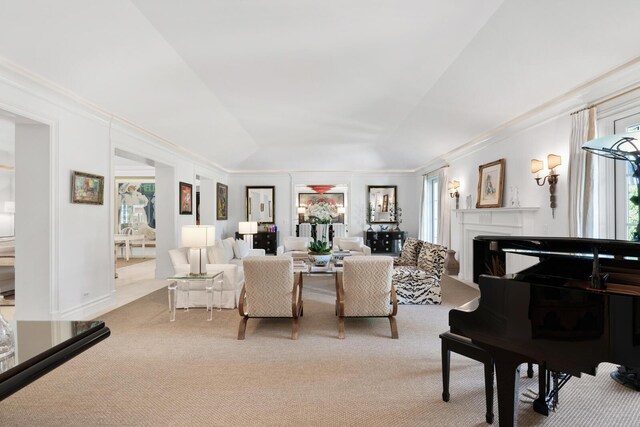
(553, 161)
(453, 186)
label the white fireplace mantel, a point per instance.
(491, 221)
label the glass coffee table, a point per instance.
(184, 283)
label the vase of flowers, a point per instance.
(319, 252)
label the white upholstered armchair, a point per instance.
(270, 290)
(294, 246)
(353, 244)
(364, 289)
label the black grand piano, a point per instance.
(577, 307)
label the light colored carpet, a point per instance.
(152, 372)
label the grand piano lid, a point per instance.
(563, 246)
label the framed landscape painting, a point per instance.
(186, 199)
(222, 192)
(490, 184)
(87, 188)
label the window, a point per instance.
(626, 186)
(431, 209)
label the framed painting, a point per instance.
(222, 192)
(135, 202)
(491, 184)
(87, 188)
(186, 198)
(323, 207)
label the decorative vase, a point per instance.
(451, 266)
(7, 341)
(317, 259)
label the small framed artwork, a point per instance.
(186, 199)
(490, 184)
(222, 192)
(87, 188)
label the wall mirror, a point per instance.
(382, 204)
(261, 204)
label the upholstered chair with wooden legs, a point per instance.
(364, 289)
(270, 290)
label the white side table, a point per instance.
(184, 283)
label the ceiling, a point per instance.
(307, 85)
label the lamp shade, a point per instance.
(553, 160)
(301, 209)
(198, 236)
(536, 165)
(248, 227)
(621, 146)
(341, 209)
(455, 184)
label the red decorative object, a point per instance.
(321, 189)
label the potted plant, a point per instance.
(319, 252)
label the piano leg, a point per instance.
(529, 370)
(446, 366)
(488, 390)
(540, 404)
(508, 379)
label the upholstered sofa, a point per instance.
(418, 271)
(226, 256)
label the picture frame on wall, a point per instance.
(491, 184)
(186, 198)
(222, 194)
(135, 202)
(87, 188)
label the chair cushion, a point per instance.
(416, 286)
(217, 254)
(179, 256)
(431, 258)
(295, 245)
(228, 248)
(410, 251)
(240, 248)
(350, 245)
(367, 286)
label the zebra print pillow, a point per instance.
(410, 251)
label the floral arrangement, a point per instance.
(321, 210)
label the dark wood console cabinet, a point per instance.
(385, 242)
(267, 240)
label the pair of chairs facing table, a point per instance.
(273, 290)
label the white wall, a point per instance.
(80, 278)
(286, 198)
(518, 150)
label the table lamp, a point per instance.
(196, 237)
(248, 229)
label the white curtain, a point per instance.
(581, 170)
(444, 213)
(422, 221)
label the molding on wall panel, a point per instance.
(80, 311)
(33, 84)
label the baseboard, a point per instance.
(89, 309)
(466, 282)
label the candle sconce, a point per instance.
(553, 161)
